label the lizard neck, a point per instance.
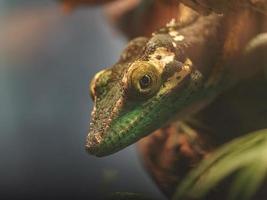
(215, 45)
(201, 42)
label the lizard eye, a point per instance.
(99, 82)
(144, 79)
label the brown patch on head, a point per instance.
(134, 48)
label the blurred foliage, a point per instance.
(128, 196)
(243, 160)
(109, 176)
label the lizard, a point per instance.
(176, 72)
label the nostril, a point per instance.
(92, 142)
(94, 138)
(91, 147)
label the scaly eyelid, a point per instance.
(97, 82)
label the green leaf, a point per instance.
(245, 158)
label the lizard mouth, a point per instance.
(103, 147)
(98, 142)
(111, 140)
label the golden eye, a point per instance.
(99, 82)
(144, 79)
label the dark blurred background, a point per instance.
(47, 59)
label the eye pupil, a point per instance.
(145, 81)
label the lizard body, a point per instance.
(175, 72)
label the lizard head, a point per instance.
(149, 84)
